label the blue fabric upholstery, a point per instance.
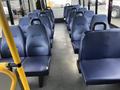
(66, 8)
(24, 23)
(101, 71)
(42, 21)
(46, 22)
(89, 15)
(36, 66)
(80, 25)
(19, 41)
(38, 52)
(68, 16)
(20, 44)
(99, 18)
(99, 58)
(37, 11)
(79, 20)
(77, 6)
(49, 12)
(74, 14)
(71, 16)
(37, 42)
(82, 10)
(104, 42)
(33, 14)
(68, 12)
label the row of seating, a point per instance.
(33, 38)
(99, 49)
(79, 20)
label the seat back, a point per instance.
(89, 14)
(19, 41)
(100, 19)
(68, 16)
(72, 14)
(80, 25)
(82, 10)
(33, 14)
(37, 21)
(24, 23)
(66, 10)
(37, 43)
(77, 6)
(100, 44)
(45, 20)
(49, 13)
(37, 11)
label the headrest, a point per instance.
(89, 13)
(82, 9)
(80, 20)
(32, 15)
(24, 23)
(37, 11)
(102, 20)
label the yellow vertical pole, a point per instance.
(12, 47)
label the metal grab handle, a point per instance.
(35, 19)
(79, 12)
(67, 4)
(6, 71)
(99, 23)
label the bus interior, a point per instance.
(59, 45)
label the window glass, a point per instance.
(5, 8)
(57, 3)
(86, 3)
(103, 7)
(92, 5)
(15, 8)
(115, 19)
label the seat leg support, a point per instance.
(41, 81)
(78, 66)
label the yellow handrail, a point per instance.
(4, 70)
(12, 47)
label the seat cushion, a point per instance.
(36, 66)
(101, 71)
(76, 45)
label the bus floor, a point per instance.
(63, 71)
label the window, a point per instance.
(92, 5)
(103, 7)
(115, 19)
(57, 3)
